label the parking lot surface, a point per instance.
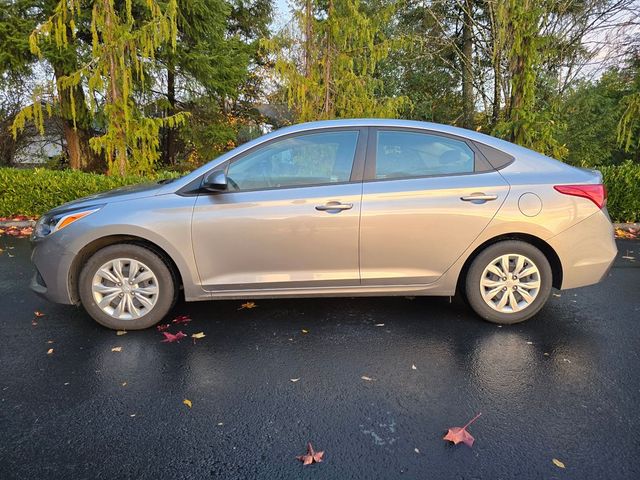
(378, 381)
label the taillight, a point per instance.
(596, 193)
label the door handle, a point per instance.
(337, 206)
(478, 198)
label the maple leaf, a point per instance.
(162, 328)
(311, 456)
(460, 435)
(181, 320)
(170, 337)
(248, 305)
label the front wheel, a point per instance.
(508, 282)
(127, 287)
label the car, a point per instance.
(358, 207)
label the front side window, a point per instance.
(310, 159)
(410, 154)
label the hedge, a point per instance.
(33, 192)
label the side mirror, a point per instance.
(216, 181)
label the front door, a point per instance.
(290, 217)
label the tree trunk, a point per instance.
(308, 12)
(468, 107)
(327, 67)
(169, 151)
(497, 89)
(76, 133)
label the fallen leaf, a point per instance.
(198, 335)
(121, 332)
(220, 424)
(460, 435)
(413, 367)
(170, 337)
(181, 320)
(294, 380)
(162, 328)
(305, 331)
(311, 456)
(50, 351)
(116, 349)
(34, 323)
(124, 384)
(416, 450)
(49, 341)
(529, 343)
(247, 305)
(379, 324)
(558, 463)
(368, 379)
(38, 314)
(187, 402)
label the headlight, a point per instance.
(48, 223)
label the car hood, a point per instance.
(129, 192)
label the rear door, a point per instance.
(290, 217)
(426, 197)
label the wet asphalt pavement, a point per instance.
(563, 385)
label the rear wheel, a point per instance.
(508, 282)
(127, 287)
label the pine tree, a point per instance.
(123, 47)
(329, 61)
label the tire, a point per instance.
(143, 304)
(482, 281)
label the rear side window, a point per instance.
(411, 154)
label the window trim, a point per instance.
(480, 162)
(357, 169)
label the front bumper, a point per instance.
(53, 266)
(586, 251)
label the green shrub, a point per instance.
(623, 185)
(34, 191)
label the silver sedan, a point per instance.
(337, 208)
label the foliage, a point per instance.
(623, 186)
(328, 60)
(591, 112)
(122, 43)
(33, 192)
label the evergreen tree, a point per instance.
(329, 61)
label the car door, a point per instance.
(289, 218)
(426, 197)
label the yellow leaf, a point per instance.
(198, 335)
(50, 351)
(121, 332)
(558, 463)
(116, 349)
(187, 402)
(247, 305)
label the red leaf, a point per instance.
(182, 319)
(311, 456)
(170, 337)
(460, 435)
(162, 328)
